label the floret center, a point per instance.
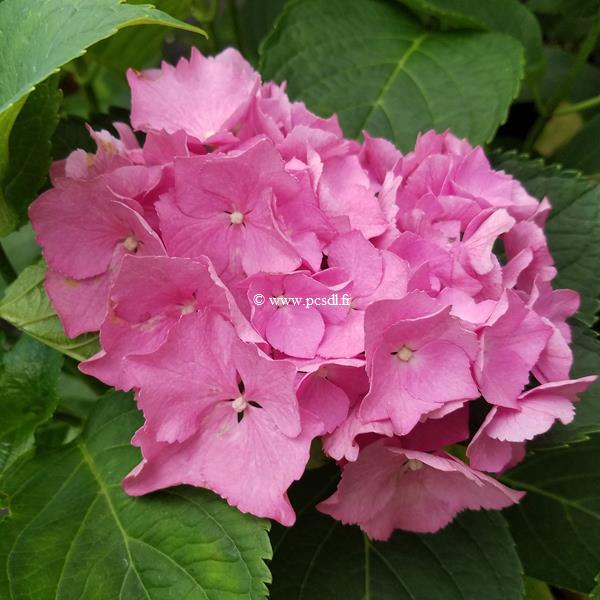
(236, 217)
(239, 404)
(130, 244)
(404, 354)
(188, 308)
(413, 464)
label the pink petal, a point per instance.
(202, 96)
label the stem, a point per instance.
(589, 43)
(584, 105)
(537, 98)
(7, 271)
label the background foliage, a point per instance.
(520, 77)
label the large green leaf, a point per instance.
(381, 70)
(557, 525)
(28, 383)
(26, 306)
(29, 147)
(319, 558)
(37, 37)
(72, 532)
(573, 226)
(504, 16)
(586, 352)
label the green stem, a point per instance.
(584, 105)
(7, 271)
(586, 48)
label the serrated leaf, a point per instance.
(573, 227)
(26, 306)
(28, 383)
(29, 153)
(381, 70)
(557, 524)
(504, 16)
(321, 559)
(62, 30)
(72, 532)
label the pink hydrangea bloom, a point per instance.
(260, 281)
(224, 207)
(233, 414)
(410, 490)
(404, 349)
(85, 231)
(206, 96)
(149, 296)
(502, 435)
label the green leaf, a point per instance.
(582, 152)
(28, 379)
(27, 307)
(8, 217)
(29, 154)
(558, 62)
(28, 382)
(37, 37)
(256, 20)
(320, 558)
(586, 352)
(381, 70)
(557, 524)
(595, 593)
(573, 227)
(504, 16)
(72, 532)
(77, 397)
(138, 47)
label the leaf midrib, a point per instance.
(104, 491)
(546, 494)
(400, 66)
(89, 461)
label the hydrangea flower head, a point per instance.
(260, 281)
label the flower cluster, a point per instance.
(237, 193)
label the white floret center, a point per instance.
(404, 354)
(236, 217)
